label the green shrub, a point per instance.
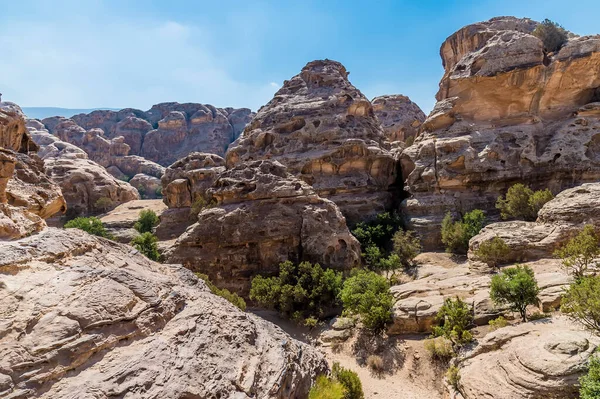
(326, 388)
(498, 323)
(224, 293)
(580, 253)
(378, 232)
(410, 141)
(142, 191)
(91, 225)
(581, 302)
(103, 204)
(407, 246)
(453, 319)
(201, 204)
(311, 322)
(299, 291)
(146, 221)
(146, 243)
(367, 294)
(375, 363)
(349, 380)
(522, 203)
(493, 252)
(589, 384)
(456, 235)
(515, 287)
(439, 348)
(453, 376)
(158, 192)
(551, 34)
(539, 316)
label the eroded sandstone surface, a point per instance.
(326, 133)
(400, 118)
(506, 112)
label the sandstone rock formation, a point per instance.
(326, 133)
(506, 112)
(418, 301)
(119, 222)
(540, 359)
(559, 219)
(86, 317)
(87, 187)
(400, 118)
(261, 216)
(27, 196)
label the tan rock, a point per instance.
(400, 118)
(119, 222)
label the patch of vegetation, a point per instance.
(522, 203)
(378, 232)
(589, 384)
(439, 348)
(147, 220)
(104, 204)
(581, 302)
(410, 141)
(158, 192)
(515, 287)
(453, 319)
(367, 294)
(201, 204)
(91, 225)
(299, 291)
(142, 191)
(224, 293)
(406, 246)
(147, 244)
(551, 34)
(456, 234)
(326, 388)
(349, 380)
(498, 323)
(375, 363)
(580, 252)
(539, 316)
(493, 252)
(453, 376)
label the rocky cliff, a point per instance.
(326, 133)
(400, 118)
(507, 111)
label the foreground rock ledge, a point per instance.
(86, 317)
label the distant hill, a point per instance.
(45, 112)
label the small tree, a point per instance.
(581, 302)
(538, 199)
(516, 287)
(367, 294)
(456, 235)
(551, 34)
(454, 319)
(349, 380)
(146, 221)
(493, 252)
(581, 252)
(453, 376)
(326, 388)
(91, 225)
(146, 243)
(103, 204)
(407, 246)
(522, 203)
(201, 204)
(590, 383)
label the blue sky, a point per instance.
(93, 53)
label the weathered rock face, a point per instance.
(120, 221)
(540, 359)
(262, 217)
(27, 196)
(559, 219)
(87, 317)
(506, 112)
(400, 118)
(83, 182)
(325, 131)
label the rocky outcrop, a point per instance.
(400, 118)
(27, 196)
(259, 216)
(540, 359)
(506, 112)
(120, 221)
(87, 187)
(558, 221)
(326, 133)
(86, 317)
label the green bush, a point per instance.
(349, 380)
(589, 384)
(453, 376)
(580, 253)
(493, 252)
(146, 221)
(439, 348)
(581, 302)
(326, 388)
(515, 287)
(453, 319)
(91, 225)
(146, 243)
(523, 203)
(407, 246)
(299, 291)
(378, 232)
(551, 34)
(367, 294)
(201, 204)
(224, 293)
(456, 235)
(498, 323)
(539, 316)
(103, 204)
(142, 191)
(158, 192)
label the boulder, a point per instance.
(259, 216)
(86, 317)
(325, 131)
(120, 221)
(400, 118)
